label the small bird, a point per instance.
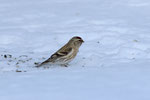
(65, 54)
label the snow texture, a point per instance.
(112, 64)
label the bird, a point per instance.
(66, 53)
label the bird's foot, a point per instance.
(64, 65)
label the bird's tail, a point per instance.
(37, 66)
(41, 64)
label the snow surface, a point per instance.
(113, 63)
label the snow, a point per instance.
(112, 64)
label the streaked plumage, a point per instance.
(65, 54)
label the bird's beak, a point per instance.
(82, 41)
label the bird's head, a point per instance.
(76, 41)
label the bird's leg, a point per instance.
(64, 65)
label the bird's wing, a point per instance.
(57, 55)
(61, 53)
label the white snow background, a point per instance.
(112, 64)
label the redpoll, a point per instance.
(65, 54)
